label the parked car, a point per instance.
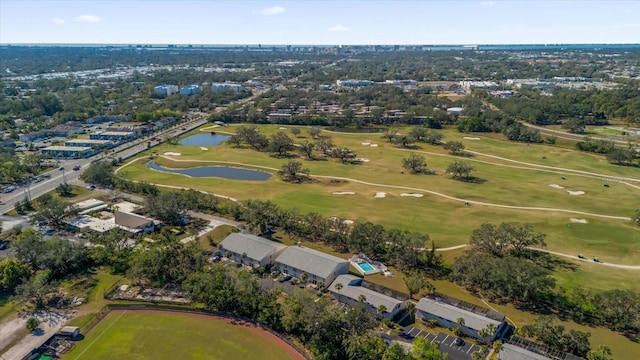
(91, 187)
(285, 278)
(458, 342)
(61, 168)
(3, 245)
(76, 168)
(596, 260)
(580, 256)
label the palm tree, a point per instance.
(381, 309)
(304, 276)
(460, 321)
(362, 298)
(338, 287)
(497, 347)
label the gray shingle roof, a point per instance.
(351, 288)
(311, 261)
(255, 247)
(512, 352)
(452, 313)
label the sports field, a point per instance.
(158, 335)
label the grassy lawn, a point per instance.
(142, 335)
(216, 235)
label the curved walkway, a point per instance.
(569, 256)
(449, 197)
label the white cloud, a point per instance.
(88, 19)
(487, 3)
(274, 10)
(58, 21)
(338, 28)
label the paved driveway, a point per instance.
(446, 343)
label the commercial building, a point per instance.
(250, 249)
(318, 266)
(354, 83)
(90, 205)
(512, 352)
(68, 152)
(86, 223)
(350, 291)
(166, 90)
(89, 143)
(134, 223)
(216, 87)
(190, 90)
(109, 118)
(117, 136)
(447, 312)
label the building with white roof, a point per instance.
(251, 250)
(318, 266)
(89, 143)
(113, 135)
(512, 352)
(216, 87)
(351, 291)
(447, 315)
(84, 223)
(90, 205)
(70, 152)
(166, 90)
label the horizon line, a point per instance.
(287, 44)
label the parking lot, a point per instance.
(446, 341)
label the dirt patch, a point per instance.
(256, 330)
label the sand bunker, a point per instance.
(362, 159)
(556, 186)
(581, 221)
(343, 193)
(412, 195)
(366, 143)
(203, 148)
(347, 222)
(471, 138)
(374, 145)
(171, 153)
(282, 128)
(571, 192)
(380, 195)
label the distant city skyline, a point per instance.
(319, 22)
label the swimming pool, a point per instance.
(365, 267)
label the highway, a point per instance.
(68, 175)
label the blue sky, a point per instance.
(319, 22)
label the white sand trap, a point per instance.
(374, 145)
(581, 221)
(366, 143)
(343, 193)
(380, 195)
(412, 195)
(556, 186)
(171, 153)
(203, 148)
(347, 222)
(362, 159)
(571, 192)
(282, 128)
(471, 138)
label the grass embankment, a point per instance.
(157, 335)
(216, 236)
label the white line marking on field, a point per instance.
(99, 336)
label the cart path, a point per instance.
(407, 188)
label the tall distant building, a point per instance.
(190, 90)
(216, 87)
(166, 90)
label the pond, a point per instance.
(204, 139)
(225, 172)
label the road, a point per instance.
(127, 150)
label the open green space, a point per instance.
(159, 335)
(447, 221)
